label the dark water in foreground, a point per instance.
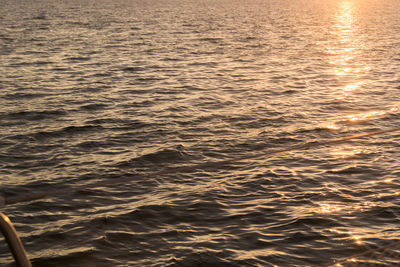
(98, 90)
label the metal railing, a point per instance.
(14, 243)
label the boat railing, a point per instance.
(14, 242)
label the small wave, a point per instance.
(206, 64)
(211, 40)
(350, 170)
(40, 17)
(42, 63)
(105, 121)
(72, 59)
(290, 92)
(133, 69)
(149, 79)
(33, 63)
(101, 74)
(171, 59)
(166, 156)
(308, 222)
(60, 69)
(301, 236)
(18, 96)
(139, 104)
(382, 214)
(35, 115)
(137, 92)
(93, 107)
(70, 258)
(120, 124)
(202, 259)
(67, 131)
(191, 88)
(89, 145)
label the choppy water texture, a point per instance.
(98, 90)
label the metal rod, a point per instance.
(14, 243)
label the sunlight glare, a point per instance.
(388, 180)
(352, 86)
(357, 239)
(327, 208)
(346, 152)
(347, 49)
(365, 116)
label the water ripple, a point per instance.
(101, 90)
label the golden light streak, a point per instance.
(338, 232)
(346, 49)
(357, 240)
(388, 180)
(352, 86)
(330, 126)
(346, 152)
(364, 116)
(329, 208)
(257, 253)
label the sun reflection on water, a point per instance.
(346, 152)
(351, 87)
(347, 49)
(365, 116)
(326, 208)
(388, 180)
(357, 239)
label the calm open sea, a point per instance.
(97, 90)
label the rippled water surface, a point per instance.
(92, 91)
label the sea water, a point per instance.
(92, 91)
